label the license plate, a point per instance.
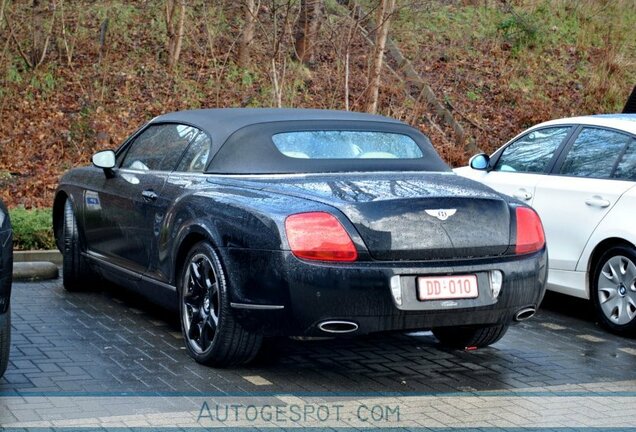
(447, 287)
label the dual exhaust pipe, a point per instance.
(341, 327)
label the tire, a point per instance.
(5, 340)
(472, 336)
(76, 273)
(613, 290)
(212, 335)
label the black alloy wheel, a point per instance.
(212, 334)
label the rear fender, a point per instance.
(228, 219)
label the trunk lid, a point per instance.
(411, 216)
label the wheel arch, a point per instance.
(598, 251)
(192, 235)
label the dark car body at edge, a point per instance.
(239, 205)
(6, 270)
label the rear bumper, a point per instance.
(278, 294)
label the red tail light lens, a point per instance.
(530, 237)
(319, 236)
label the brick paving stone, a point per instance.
(113, 341)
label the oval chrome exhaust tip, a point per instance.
(525, 314)
(338, 326)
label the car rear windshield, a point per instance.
(335, 144)
(325, 146)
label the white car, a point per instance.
(579, 174)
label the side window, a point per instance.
(196, 157)
(159, 147)
(594, 153)
(626, 168)
(532, 152)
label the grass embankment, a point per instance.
(499, 68)
(506, 68)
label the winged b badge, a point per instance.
(441, 214)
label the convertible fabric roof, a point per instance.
(242, 140)
(220, 123)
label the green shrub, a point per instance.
(32, 229)
(520, 29)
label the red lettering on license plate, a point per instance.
(447, 287)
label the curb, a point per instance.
(52, 255)
(36, 265)
(34, 271)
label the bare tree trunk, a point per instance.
(179, 42)
(174, 30)
(307, 27)
(170, 32)
(346, 83)
(38, 31)
(70, 39)
(282, 32)
(40, 36)
(2, 6)
(250, 12)
(351, 32)
(278, 91)
(383, 18)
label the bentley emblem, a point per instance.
(441, 214)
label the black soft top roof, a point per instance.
(220, 123)
(241, 139)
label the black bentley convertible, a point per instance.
(271, 222)
(6, 271)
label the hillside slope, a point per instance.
(499, 67)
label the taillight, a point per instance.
(530, 237)
(319, 236)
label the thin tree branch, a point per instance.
(26, 59)
(48, 38)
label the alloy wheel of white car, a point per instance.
(615, 289)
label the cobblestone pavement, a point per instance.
(102, 344)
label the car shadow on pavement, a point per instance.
(382, 362)
(568, 305)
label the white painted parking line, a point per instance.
(257, 380)
(631, 351)
(553, 326)
(591, 338)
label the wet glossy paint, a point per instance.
(137, 226)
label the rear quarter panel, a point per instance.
(231, 216)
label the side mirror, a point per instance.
(480, 162)
(104, 159)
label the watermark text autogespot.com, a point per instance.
(297, 413)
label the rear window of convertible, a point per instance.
(333, 144)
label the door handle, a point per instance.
(149, 195)
(597, 201)
(522, 194)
